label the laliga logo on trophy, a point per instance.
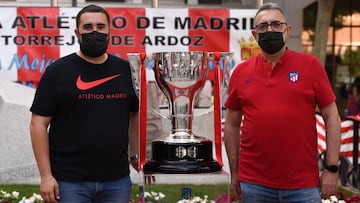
(180, 76)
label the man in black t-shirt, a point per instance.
(85, 120)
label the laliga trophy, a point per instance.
(180, 76)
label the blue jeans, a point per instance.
(117, 191)
(251, 193)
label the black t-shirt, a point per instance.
(90, 106)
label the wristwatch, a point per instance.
(332, 168)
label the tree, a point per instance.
(323, 19)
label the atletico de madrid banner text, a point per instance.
(33, 37)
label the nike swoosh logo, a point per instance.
(85, 85)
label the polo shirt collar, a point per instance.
(283, 58)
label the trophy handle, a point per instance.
(135, 64)
(225, 62)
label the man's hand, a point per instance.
(328, 183)
(49, 189)
(235, 189)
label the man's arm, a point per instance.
(333, 133)
(329, 181)
(232, 144)
(49, 189)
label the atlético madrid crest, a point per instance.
(294, 76)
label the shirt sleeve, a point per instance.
(45, 101)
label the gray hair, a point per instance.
(269, 6)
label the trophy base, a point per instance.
(182, 158)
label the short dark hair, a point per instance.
(92, 9)
(269, 6)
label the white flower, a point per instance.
(15, 194)
(37, 196)
(333, 198)
(24, 200)
(161, 195)
(153, 196)
(7, 195)
(147, 194)
(196, 199)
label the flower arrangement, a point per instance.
(222, 198)
(340, 198)
(158, 197)
(14, 197)
(332, 199)
(196, 199)
(153, 197)
(6, 197)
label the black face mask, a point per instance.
(94, 44)
(271, 42)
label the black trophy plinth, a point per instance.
(182, 157)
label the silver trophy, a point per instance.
(180, 76)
